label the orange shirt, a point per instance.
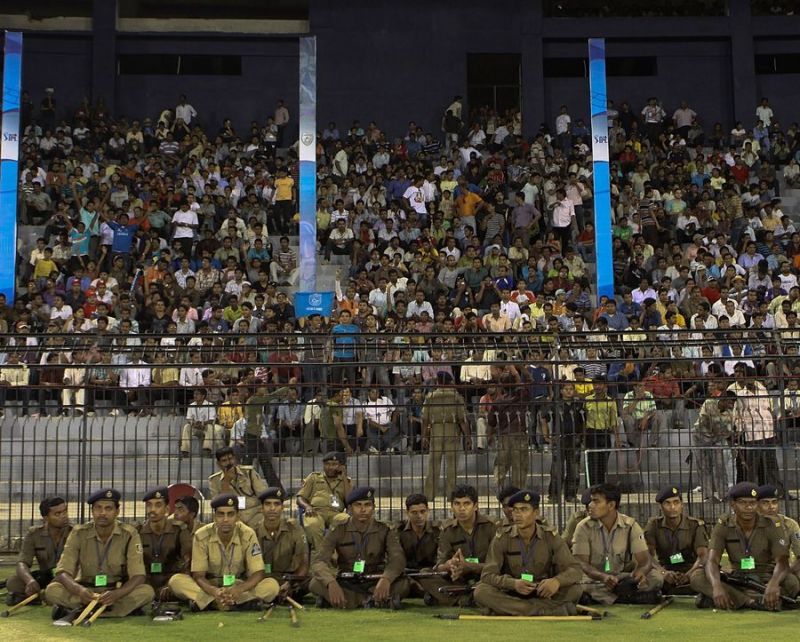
(467, 203)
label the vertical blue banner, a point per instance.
(9, 161)
(308, 164)
(602, 183)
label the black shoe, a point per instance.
(395, 602)
(68, 618)
(251, 605)
(58, 612)
(428, 599)
(703, 602)
(194, 607)
(14, 598)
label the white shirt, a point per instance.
(379, 411)
(135, 377)
(64, 313)
(414, 309)
(765, 114)
(180, 218)
(563, 213)
(185, 113)
(562, 123)
(416, 198)
(340, 160)
(191, 377)
(239, 430)
(205, 412)
(510, 309)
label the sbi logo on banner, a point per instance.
(10, 137)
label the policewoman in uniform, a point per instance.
(97, 556)
(678, 543)
(322, 497)
(227, 567)
(166, 544)
(242, 481)
(756, 546)
(363, 546)
(529, 570)
(44, 544)
(444, 420)
(576, 518)
(284, 547)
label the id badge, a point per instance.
(335, 503)
(242, 502)
(358, 566)
(268, 567)
(607, 566)
(473, 560)
(747, 563)
(228, 580)
(101, 580)
(676, 559)
(155, 567)
(527, 577)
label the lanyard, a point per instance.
(360, 546)
(227, 560)
(470, 541)
(608, 544)
(58, 547)
(745, 541)
(101, 559)
(157, 549)
(527, 554)
(334, 487)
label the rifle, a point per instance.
(744, 581)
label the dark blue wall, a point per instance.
(394, 62)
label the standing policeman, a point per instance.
(529, 569)
(363, 546)
(44, 543)
(227, 567)
(283, 544)
(322, 497)
(444, 420)
(756, 548)
(166, 544)
(97, 556)
(678, 542)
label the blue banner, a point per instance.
(308, 303)
(9, 161)
(602, 185)
(308, 163)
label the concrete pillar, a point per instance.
(532, 55)
(104, 52)
(743, 66)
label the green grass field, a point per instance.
(681, 621)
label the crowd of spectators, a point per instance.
(467, 252)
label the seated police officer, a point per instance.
(227, 567)
(369, 560)
(757, 550)
(529, 569)
(677, 542)
(102, 560)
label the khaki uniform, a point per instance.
(675, 550)
(569, 530)
(284, 551)
(247, 484)
(241, 558)
(792, 530)
(452, 538)
(444, 411)
(164, 554)
(38, 546)
(378, 548)
(617, 548)
(509, 558)
(85, 557)
(767, 543)
(326, 497)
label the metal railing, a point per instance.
(112, 411)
